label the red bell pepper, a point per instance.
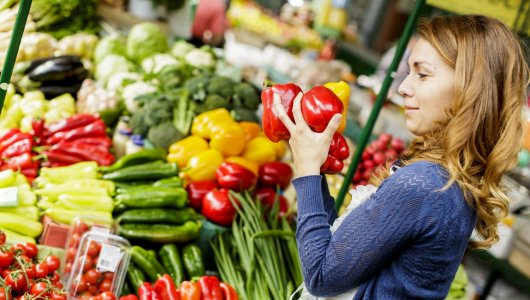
(147, 292)
(275, 173)
(129, 297)
(267, 196)
(37, 126)
(68, 124)
(338, 151)
(235, 177)
(94, 129)
(272, 126)
(318, 106)
(210, 288)
(18, 148)
(229, 293)
(216, 207)
(197, 190)
(166, 288)
(190, 291)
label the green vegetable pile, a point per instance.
(65, 17)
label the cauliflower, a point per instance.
(180, 48)
(134, 90)
(200, 58)
(119, 80)
(110, 65)
(154, 64)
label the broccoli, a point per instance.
(212, 102)
(183, 112)
(137, 123)
(163, 135)
(197, 87)
(242, 114)
(245, 96)
(157, 111)
(173, 76)
(222, 86)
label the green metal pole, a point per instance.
(381, 97)
(12, 51)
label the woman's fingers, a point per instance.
(279, 111)
(332, 126)
(297, 112)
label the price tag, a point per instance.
(9, 197)
(109, 258)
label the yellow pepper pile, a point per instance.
(215, 138)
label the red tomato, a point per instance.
(41, 270)
(6, 258)
(93, 276)
(3, 294)
(57, 295)
(74, 240)
(105, 285)
(58, 284)
(5, 273)
(81, 228)
(108, 276)
(92, 289)
(70, 254)
(132, 297)
(54, 277)
(17, 281)
(107, 296)
(379, 158)
(67, 268)
(30, 250)
(53, 263)
(368, 164)
(79, 284)
(2, 238)
(31, 271)
(93, 249)
(385, 138)
(39, 289)
(88, 263)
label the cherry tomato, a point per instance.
(39, 289)
(17, 281)
(92, 289)
(105, 285)
(5, 273)
(55, 277)
(70, 254)
(30, 250)
(58, 284)
(93, 249)
(93, 276)
(41, 270)
(79, 285)
(81, 228)
(31, 271)
(74, 240)
(67, 268)
(57, 295)
(2, 237)
(108, 276)
(6, 258)
(88, 263)
(53, 263)
(3, 294)
(18, 248)
(132, 297)
(107, 296)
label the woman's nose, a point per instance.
(405, 89)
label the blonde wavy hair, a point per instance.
(483, 134)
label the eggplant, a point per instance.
(51, 92)
(50, 71)
(61, 60)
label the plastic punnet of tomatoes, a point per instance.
(79, 227)
(99, 267)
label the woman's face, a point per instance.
(428, 89)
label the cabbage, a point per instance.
(111, 44)
(157, 62)
(180, 48)
(112, 64)
(145, 39)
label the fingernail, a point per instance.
(336, 119)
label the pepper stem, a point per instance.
(268, 83)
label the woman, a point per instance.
(464, 99)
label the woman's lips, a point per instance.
(410, 109)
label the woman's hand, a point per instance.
(309, 148)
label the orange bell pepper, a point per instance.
(251, 130)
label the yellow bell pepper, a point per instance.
(203, 123)
(181, 151)
(251, 130)
(261, 150)
(244, 162)
(342, 90)
(202, 166)
(228, 138)
(280, 149)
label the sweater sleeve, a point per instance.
(368, 237)
(329, 202)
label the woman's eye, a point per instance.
(421, 75)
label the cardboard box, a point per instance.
(54, 234)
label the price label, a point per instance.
(9, 197)
(109, 258)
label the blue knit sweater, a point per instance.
(405, 242)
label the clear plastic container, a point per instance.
(79, 227)
(135, 144)
(100, 265)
